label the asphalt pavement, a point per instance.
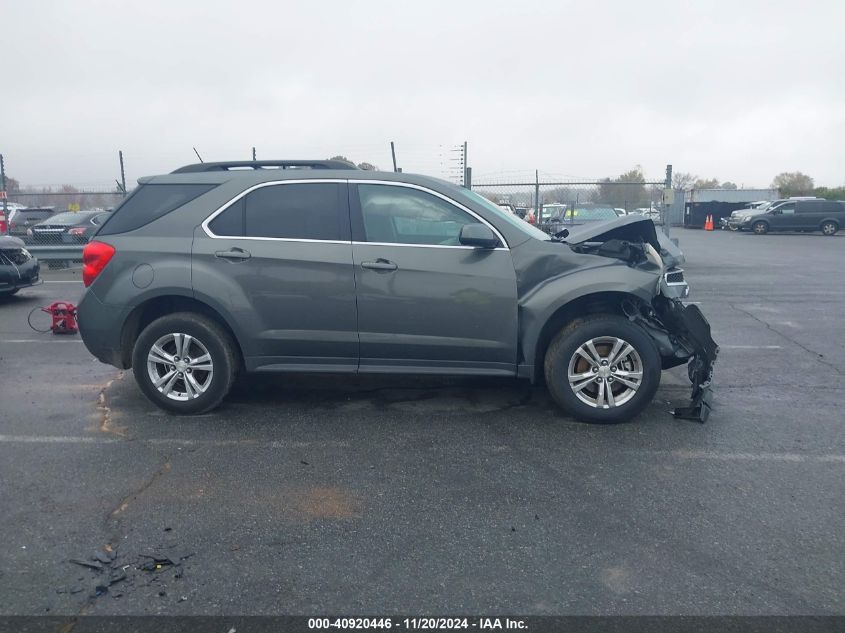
(390, 494)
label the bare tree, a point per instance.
(683, 180)
(793, 184)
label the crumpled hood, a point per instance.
(626, 227)
(631, 228)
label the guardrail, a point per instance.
(62, 251)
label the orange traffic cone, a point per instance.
(708, 223)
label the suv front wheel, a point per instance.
(602, 369)
(184, 363)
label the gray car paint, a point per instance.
(438, 320)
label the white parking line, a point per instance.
(41, 340)
(279, 444)
(748, 457)
(163, 441)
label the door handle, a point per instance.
(237, 254)
(380, 265)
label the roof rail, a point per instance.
(264, 164)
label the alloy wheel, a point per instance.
(605, 372)
(180, 366)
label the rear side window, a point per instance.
(306, 211)
(148, 203)
(832, 207)
(810, 206)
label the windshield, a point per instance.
(514, 220)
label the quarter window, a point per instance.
(401, 215)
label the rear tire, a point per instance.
(569, 374)
(760, 228)
(191, 358)
(829, 228)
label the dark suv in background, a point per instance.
(313, 266)
(826, 216)
(21, 221)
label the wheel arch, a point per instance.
(148, 311)
(602, 302)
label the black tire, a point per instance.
(829, 228)
(563, 348)
(212, 337)
(760, 228)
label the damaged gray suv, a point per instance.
(315, 266)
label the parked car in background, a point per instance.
(70, 227)
(216, 269)
(749, 209)
(506, 207)
(620, 212)
(523, 212)
(556, 217)
(804, 215)
(18, 268)
(21, 220)
(736, 219)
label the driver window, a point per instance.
(400, 215)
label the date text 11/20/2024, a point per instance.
(430, 624)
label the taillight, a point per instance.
(95, 256)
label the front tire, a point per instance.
(829, 228)
(760, 228)
(184, 363)
(602, 369)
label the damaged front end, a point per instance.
(682, 335)
(681, 332)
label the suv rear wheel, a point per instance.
(829, 228)
(602, 369)
(184, 362)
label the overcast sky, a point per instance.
(738, 90)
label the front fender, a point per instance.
(539, 306)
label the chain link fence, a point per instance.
(552, 203)
(55, 225)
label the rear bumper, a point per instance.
(100, 328)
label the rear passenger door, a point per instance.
(278, 258)
(809, 214)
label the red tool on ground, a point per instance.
(63, 315)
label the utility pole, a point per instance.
(667, 198)
(122, 173)
(537, 196)
(464, 157)
(3, 192)
(253, 154)
(393, 154)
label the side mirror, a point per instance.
(478, 235)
